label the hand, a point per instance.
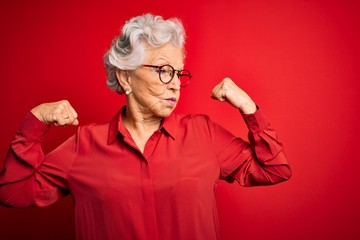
(59, 113)
(228, 91)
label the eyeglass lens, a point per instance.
(167, 72)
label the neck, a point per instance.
(136, 120)
(140, 127)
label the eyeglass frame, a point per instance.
(178, 73)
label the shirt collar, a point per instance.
(169, 125)
(117, 126)
(114, 126)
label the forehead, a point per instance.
(167, 54)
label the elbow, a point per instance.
(287, 173)
(278, 175)
(268, 176)
(11, 202)
(284, 175)
(16, 196)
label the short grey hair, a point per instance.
(127, 50)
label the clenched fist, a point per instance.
(228, 91)
(59, 113)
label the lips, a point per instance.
(171, 100)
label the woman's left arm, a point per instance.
(262, 160)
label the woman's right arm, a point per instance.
(28, 178)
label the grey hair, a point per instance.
(127, 50)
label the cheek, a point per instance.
(157, 90)
(149, 87)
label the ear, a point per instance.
(123, 78)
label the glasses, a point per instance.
(167, 73)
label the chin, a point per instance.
(166, 112)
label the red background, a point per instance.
(297, 59)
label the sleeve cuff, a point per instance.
(256, 122)
(32, 128)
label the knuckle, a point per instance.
(57, 110)
(60, 106)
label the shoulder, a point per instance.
(196, 122)
(93, 129)
(189, 118)
(199, 123)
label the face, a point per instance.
(148, 94)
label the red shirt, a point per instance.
(167, 192)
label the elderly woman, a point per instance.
(148, 173)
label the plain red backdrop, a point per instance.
(299, 60)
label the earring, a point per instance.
(127, 91)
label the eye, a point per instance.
(166, 69)
(160, 70)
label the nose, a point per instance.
(175, 83)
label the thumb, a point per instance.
(75, 122)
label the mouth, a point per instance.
(172, 101)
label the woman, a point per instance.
(148, 173)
